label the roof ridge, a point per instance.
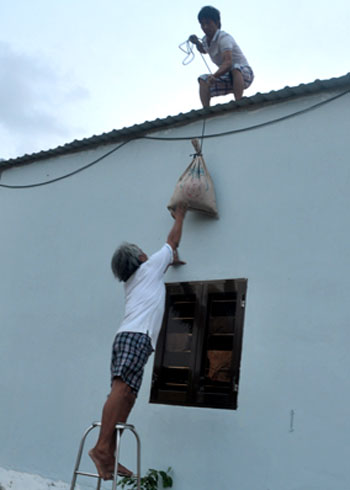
(149, 126)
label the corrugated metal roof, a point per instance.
(147, 127)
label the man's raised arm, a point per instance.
(175, 233)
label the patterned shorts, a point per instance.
(130, 353)
(224, 85)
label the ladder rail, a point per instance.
(80, 453)
(120, 427)
(119, 430)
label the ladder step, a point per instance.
(83, 473)
(94, 475)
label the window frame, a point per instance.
(196, 394)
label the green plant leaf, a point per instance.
(148, 482)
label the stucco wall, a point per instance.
(283, 197)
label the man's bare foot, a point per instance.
(105, 465)
(102, 463)
(122, 471)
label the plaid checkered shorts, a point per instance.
(224, 84)
(130, 353)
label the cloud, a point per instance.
(33, 100)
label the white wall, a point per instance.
(283, 196)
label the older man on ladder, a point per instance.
(136, 337)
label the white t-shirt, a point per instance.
(222, 41)
(145, 295)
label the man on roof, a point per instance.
(234, 74)
(136, 337)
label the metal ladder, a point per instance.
(119, 429)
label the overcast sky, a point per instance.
(74, 68)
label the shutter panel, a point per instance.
(198, 355)
(174, 361)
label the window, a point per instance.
(197, 360)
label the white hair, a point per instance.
(126, 261)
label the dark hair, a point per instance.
(125, 261)
(210, 13)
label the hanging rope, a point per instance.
(198, 146)
(187, 48)
(206, 64)
(203, 131)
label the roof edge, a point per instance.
(138, 130)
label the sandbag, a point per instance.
(195, 187)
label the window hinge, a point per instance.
(234, 385)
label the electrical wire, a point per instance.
(184, 138)
(74, 172)
(249, 128)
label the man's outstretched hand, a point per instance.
(177, 260)
(179, 211)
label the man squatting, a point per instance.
(234, 73)
(136, 337)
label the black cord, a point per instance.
(67, 175)
(202, 137)
(235, 131)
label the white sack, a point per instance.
(195, 187)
